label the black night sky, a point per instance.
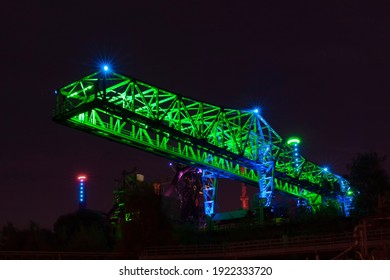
(318, 69)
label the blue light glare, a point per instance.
(326, 169)
(106, 68)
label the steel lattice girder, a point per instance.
(220, 139)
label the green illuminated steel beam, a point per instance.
(237, 144)
(126, 104)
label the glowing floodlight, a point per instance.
(106, 68)
(293, 141)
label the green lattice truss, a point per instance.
(237, 144)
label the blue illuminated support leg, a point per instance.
(266, 179)
(263, 144)
(209, 192)
(347, 196)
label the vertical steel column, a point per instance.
(346, 198)
(266, 170)
(209, 192)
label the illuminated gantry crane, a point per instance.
(222, 142)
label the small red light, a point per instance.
(82, 178)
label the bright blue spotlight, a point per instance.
(326, 169)
(106, 68)
(256, 111)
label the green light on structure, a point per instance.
(147, 107)
(128, 217)
(293, 140)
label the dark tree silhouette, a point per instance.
(33, 238)
(84, 230)
(368, 175)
